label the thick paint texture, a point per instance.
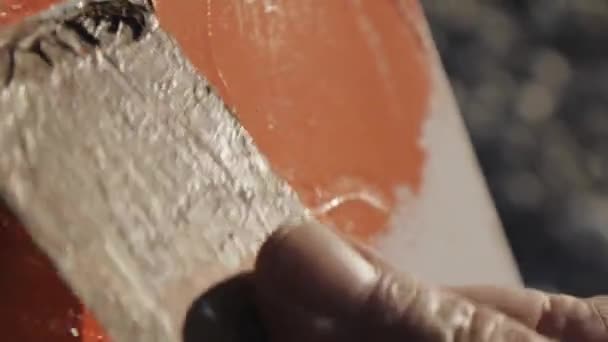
(333, 92)
(36, 303)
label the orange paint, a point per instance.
(12, 11)
(91, 330)
(36, 304)
(333, 92)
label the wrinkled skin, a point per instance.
(313, 285)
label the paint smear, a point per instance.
(37, 305)
(449, 233)
(333, 92)
(12, 11)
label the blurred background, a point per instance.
(531, 79)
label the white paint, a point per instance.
(449, 233)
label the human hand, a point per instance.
(315, 286)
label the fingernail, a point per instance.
(310, 266)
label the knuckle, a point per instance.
(393, 298)
(600, 306)
(485, 325)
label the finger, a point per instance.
(287, 322)
(557, 316)
(312, 268)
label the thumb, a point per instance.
(311, 268)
